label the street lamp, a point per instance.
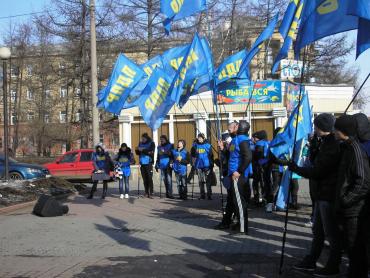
(5, 55)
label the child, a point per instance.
(180, 159)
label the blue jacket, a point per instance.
(146, 156)
(235, 160)
(179, 167)
(203, 155)
(124, 160)
(164, 156)
(101, 161)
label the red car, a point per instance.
(75, 164)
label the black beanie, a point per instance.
(324, 122)
(346, 124)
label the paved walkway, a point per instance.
(143, 237)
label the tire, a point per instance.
(15, 176)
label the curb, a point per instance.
(15, 207)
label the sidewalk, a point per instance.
(143, 237)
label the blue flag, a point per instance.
(178, 9)
(288, 30)
(125, 76)
(156, 102)
(148, 67)
(361, 8)
(192, 86)
(265, 35)
(193, 65)
(321, 19)
(302, 117)
(172, 58)
(230, 67)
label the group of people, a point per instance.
(337, 168)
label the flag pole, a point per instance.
(218, 126)
(357, 93)
(291, 173)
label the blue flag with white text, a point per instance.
(178, 9)
(288, 30)
(156, 102)
(265, 35)
(230, 67)
(125, 76)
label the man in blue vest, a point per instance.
(164, 152)
(261, 175)
(239, 160)
(145, 151)
(203, 155)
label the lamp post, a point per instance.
(5, 55)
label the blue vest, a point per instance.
(145, 159)
(366, 147)
(164, 159)
(234, 159)
(124, 162)
(100, 160)
(177, 166)
(202, 155)
(265, 145)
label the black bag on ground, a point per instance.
(48, 206)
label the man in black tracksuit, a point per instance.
(239, 161)
(353, 195)
(324, 170)
(230, 207)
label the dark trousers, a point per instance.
(94, 186)
(355, 231)
(261, 182)
(147, 174)
(182, 186)
(166, 176)
(274, 187)
(294, 192)
(241, 193)
(204, 180)
(312, 187)
(230, 207)
(325, 226)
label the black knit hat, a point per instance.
(325, 122)
(346, 124)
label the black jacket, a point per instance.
(324, 169)
(353, 179)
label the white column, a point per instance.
(171, 130)
(201, 122)
(125, 128)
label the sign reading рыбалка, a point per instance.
(265, 92)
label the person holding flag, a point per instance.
(203, 164)
(324, 171)
(145, 151)
(164, 152)
(240, 157)
(181, 159)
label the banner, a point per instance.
(268, 91)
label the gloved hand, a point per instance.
(292, 166)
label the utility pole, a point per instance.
(94, 75)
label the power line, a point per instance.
(19, 15)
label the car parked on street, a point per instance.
(23, 171)
(73, 165)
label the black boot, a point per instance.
(105, 189)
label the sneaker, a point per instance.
(126, 196)
(269, 207)
(308, 224)
(306, 264)
(121, 196)
(326, 272)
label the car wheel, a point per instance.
(15, 176)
